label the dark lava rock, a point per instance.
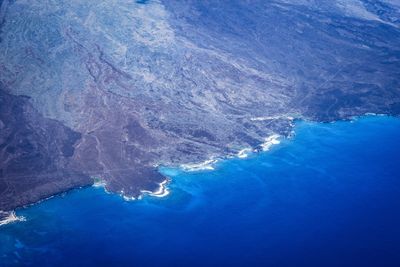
(33, 162)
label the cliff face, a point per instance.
(118, 87)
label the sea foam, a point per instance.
(244, 153)
(206, 165)
(162, 190)
(270, 141)
(10, 217)
(99, 184)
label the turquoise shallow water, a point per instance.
(330, 196)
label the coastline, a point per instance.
(265, 187)
(7, 217)
(207, 165)
(210, 164)
(162, 190)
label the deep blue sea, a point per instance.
(329, 196)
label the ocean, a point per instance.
(328, 196)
